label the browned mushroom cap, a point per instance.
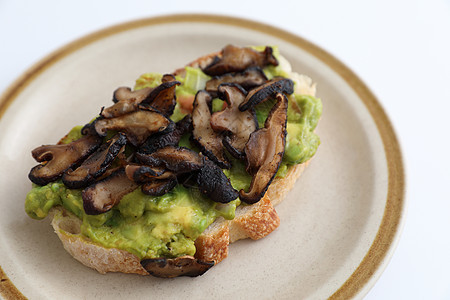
(163, 97)
(167, 137)
(126, 101)
(137, 126)
(176, 159)
(141, 174)
(267, 90)
(155, 181)
(168, 77)
(236, 59)
(125, 94)
(231, 119)
(89, 128)
(59, 158)
(249, 79)
(213, 183)
(102, 195)
(206, 138)
(159, 187)
(119, 109)
(264, 151)
(121, 161)
(174, 267)
(96, 164)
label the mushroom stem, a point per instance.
(264, 151)
(209, 141)
(56, 159)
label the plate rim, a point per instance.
(388, 234)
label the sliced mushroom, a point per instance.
(235, 150)
(101, 196)
(167, 137)
(96, 164)
(126, 101)
(188, 180)
(163, 97)
(213, 183)
(249, 79)
(267, 90)
(159, 187)
(142, 174)
(121, 161)
(89, 128)
(264, 151)
(137, 126)
(205, 137)
(236, 59)
(176, 159)
(125, 94)
(239, 124)
(56, 159)
(167, 78)
(174, 267)
(155, 181)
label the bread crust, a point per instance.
(251, 221)
(67, 227)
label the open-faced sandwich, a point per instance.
(176, 169)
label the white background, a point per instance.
(401, 49)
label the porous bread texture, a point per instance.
(67, 227)
(251, 221)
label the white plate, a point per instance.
(339, 225)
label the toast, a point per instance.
(251, 221)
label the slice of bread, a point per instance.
(251, 221)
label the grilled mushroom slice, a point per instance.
(142, 174)
(267, 90)
(167, 137)
(163, 98)
(213, 183)
(125, 94)
(56, 159)
(168, 77)
(159, 187)
(176, 159)
(239, 124)
(205, 137)
(126, 101)
(137, 125)
(96, 164)
(155, 181)
(174, 267)
(249, 79)
(236, 59)
(89, 128)
(101, 196)
(264, 151)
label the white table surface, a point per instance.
(401, 49)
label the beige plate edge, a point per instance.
(388, 233)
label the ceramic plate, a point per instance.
(339, 225)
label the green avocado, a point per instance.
(167, 226)
(146, 226)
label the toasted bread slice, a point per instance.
(251, 221)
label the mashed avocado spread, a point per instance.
(168, 225)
